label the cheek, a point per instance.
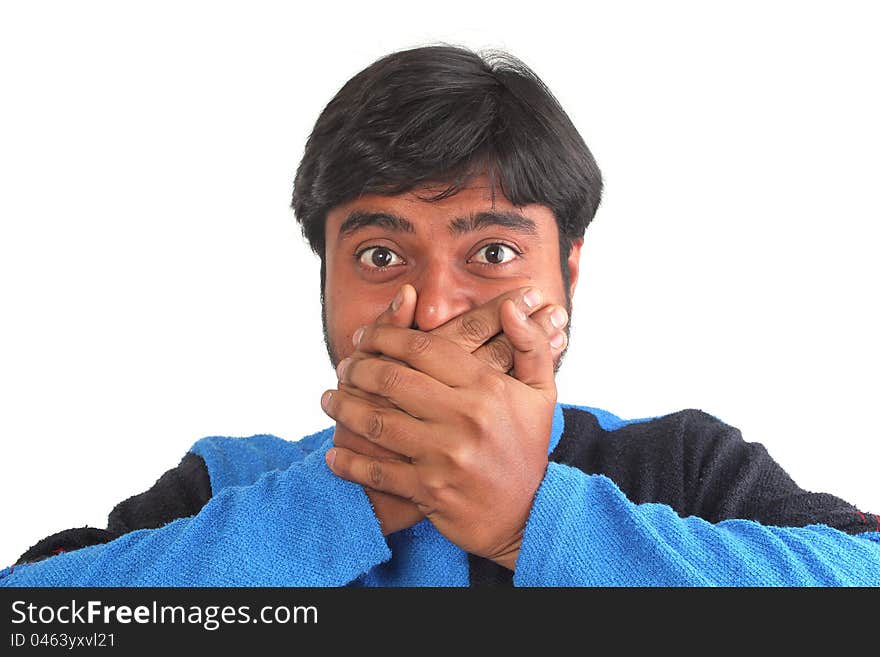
(554, 288)
(348, 308)
(548, 276)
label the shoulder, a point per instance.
(240, 461)
(653, 457)
(691, 423)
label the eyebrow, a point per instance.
(359, 219)
(503, 218)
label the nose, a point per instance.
(440, 297)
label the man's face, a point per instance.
(455, 258)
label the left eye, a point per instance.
(495, 254)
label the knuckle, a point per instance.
(375, 473)
(441, 495)
(461, 456)
(375, 425)
(389, 379)
(474, 329)
(434, 487)
(500, 355)
(420, 343)
(478, 415)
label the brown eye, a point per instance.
(495, 254)
(379, 257)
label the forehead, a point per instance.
(431, 218)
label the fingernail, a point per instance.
(558, 318)
(356, 338)
(532, 298)
(330, 457)
(325, 399)
(340, 369)
(397, 300)
(557, 341)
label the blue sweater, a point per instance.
(279, 517)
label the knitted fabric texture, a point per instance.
(279, 517)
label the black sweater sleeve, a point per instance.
(180, 492)
(700, 466)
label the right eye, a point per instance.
(379, 257)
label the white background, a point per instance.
(154, 287)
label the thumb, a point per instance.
(532, 353)
(400, 313)
(402, 310)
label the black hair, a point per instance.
(442, 115)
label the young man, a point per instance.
(447, 196)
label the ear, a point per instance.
(574, 263)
